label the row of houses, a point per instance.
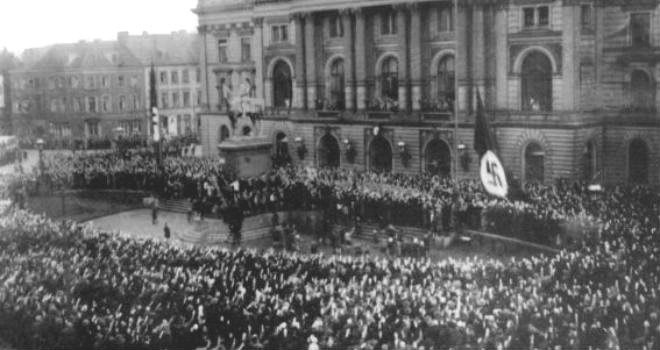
(99, 89)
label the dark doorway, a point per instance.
(380, 155)
(328, 151)
(438, 158)
(638, 162)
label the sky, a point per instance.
(36, 23)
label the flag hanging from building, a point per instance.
(153, 105)
(491, 171)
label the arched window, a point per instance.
(642, 90)
(380, 155)
(328, 152)
(281, 84)
(390, 79)
(438, 158)
(534, 163)
(590, 160)
(536, 82)
(446, 82)
(337, 83)
(638, 162)
(223, 133)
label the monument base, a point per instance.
(247, 156)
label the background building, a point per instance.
(570, 85)
(97, 91)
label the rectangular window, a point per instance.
(91, 104)
(122, 103)
(164, 100)
(93, 127)
(105, 104)
(222, 50)
(245, 50)
(544, 16)
(175, 99)
(120, 81)
(136, 102)
(280, 33)
(105, 82)
(163, 77)
(175, 77)
(534, 17)
(185, 76)
(586, 17)
(445, 19)
(198, 75)
(640, 28)
(91, 83)
(528, 17)
(388, 23)
(199, 97)
(336, 27)
(186, 99)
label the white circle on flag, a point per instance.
(492, 175)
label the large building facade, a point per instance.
(570, 85)
(98, 91)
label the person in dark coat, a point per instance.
(166, 231)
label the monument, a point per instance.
(243, 150)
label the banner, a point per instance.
(491, 171)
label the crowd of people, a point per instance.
(70, 286)
(404, 200)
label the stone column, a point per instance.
(478, 55)
(463, 57)
(310, 59)
(258, 57)
(300, 97)
(403, 58)
(349, 80)
(415, 56)
(360, 60)
(501, 58)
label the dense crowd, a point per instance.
(68, 286)
(403, 200)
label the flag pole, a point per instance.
(456, 93)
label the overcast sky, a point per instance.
(35, 23)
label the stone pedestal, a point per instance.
(246, 156)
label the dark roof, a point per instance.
(127, 51)
(164, 49)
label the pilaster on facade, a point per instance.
(404, 76)
(310, 57)
(416, 56)
(300, 97)
(349, 42)
(360, 60)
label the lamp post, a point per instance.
(40, 147)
